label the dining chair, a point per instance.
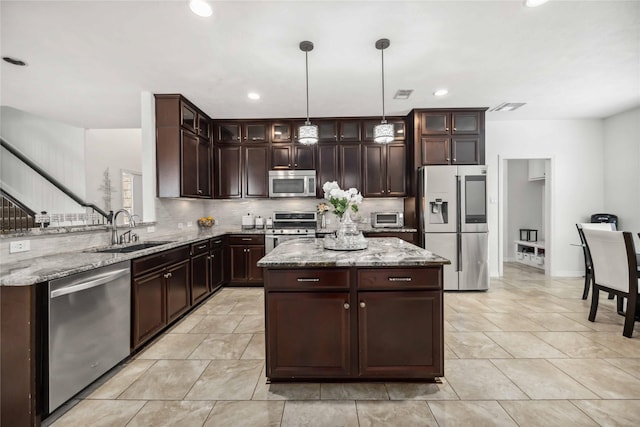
(588, 270)
(615, 270)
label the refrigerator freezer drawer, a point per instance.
(474, 263)
(444, 244)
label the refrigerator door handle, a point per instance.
(459, 203)
(459, 247)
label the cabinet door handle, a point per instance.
(199, 191)
(447, 129)
(399, 279)
(362, 304)
(448, 159)
(245, 239)
(454, 159)
(202, 246)
(212, 257)
(313, 279)
(346, 306)
(217, 241)
(455, 128)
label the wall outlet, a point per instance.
(189, 223)
(151, 229)
(19, 246)
(180, 226)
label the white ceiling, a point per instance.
(89, 61)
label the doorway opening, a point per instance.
(524, 220)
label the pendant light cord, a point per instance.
(382, 52)
(306, 65)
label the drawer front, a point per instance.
(199, 248)
(396, 278)
(246, 239)
(216, 242)
(151, 262)
(307, 279)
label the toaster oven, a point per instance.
(387, 219)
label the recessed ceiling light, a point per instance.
(441, 92)
(14, 61)
(508, 106)
(200, 8)
(534, 3)
(403, 94)
(253, 95)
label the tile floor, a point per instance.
(522, 353)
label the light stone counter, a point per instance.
(42, 269)
(382, 252)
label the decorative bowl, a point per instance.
(206, 222)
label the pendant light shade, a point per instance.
(307, 133)
(384, 132)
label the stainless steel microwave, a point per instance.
(292, 183)
(387, 219)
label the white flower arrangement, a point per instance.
(341, 200)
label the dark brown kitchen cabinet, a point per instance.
(458, 150)
(314, 334)
(161, 292)
(350, 161)
(398, 128)
(281, 132)
(255, 132)
(327, 165)
(236, 131)
(384, 170)
(242, 255)
(399, 333)
(256, 171)
(199, 271)
(292, 156)
(451, 122)
(228, 169)
(349, 131)
(227, 132)
(216, 263)
(183, 149)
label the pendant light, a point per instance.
(384, 132)
(307, 133)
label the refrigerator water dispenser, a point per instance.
(439, 211)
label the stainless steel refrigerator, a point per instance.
(452, 221)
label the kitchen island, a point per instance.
(373, 314)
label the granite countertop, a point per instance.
(36, 270)
(367, 228)
(382, 251)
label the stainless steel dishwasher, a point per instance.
(89, 328)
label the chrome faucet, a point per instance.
(114, 225)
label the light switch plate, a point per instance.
(151, 229)
(19, 246)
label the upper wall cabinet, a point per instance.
(398, 129)
(183, 148)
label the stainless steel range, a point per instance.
(290, 225)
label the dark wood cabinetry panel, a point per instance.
(205, 162)
(465, 122)
(281, 132)
(399, 334)
(398, 129)
(243, 253)
(177, 289)
(292, 156)
(281, 155)
(327, 130)
(396, 170)
(228, 132)
(434, 150)
(189, 168)
(256, 171)
(374, 171)
(435, 123)
(308, 334)
(254, 273)
(351, 166)
(188, 116)
(304, 157)
(255, 132)
(465, 150)
(327, 167)
(349, 130)
(199, 275)
(216, 264)
(149, 312)
(228, 169)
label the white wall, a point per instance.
(575, 148)
(622, 170)
(116, 149)
(56, 147)
(524, 205)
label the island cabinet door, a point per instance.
(308, 335)
(400, 334)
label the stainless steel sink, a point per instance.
(130, 248)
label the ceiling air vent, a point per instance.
(508, 106)
(403, 94)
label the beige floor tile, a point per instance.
(100, 413)
(256, 348)
(568, 292)
(172, 413)
(217, 324)
(166, 380)
(123, 379)
(471, 322)
(285, 391)
(602, 323)
(421, 391)
(173, 346)
(627, 347)
(629, 365)
(539, 379)
(448, 353)
(187, 323)
(251, 324)
(465, 303)
(383, 414)
(480, 380)
(474, 345)
(576, 345)
(541, 305)
(524, 345)
(227, 380)
(248, 307)
(545, 413)
(215, 307)
(512, 322)
(557, 322)
(351, 391)
(472, 413)
(246, 414)
(601, 377)
(319, 413)
(619, 413)
(222, 346)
